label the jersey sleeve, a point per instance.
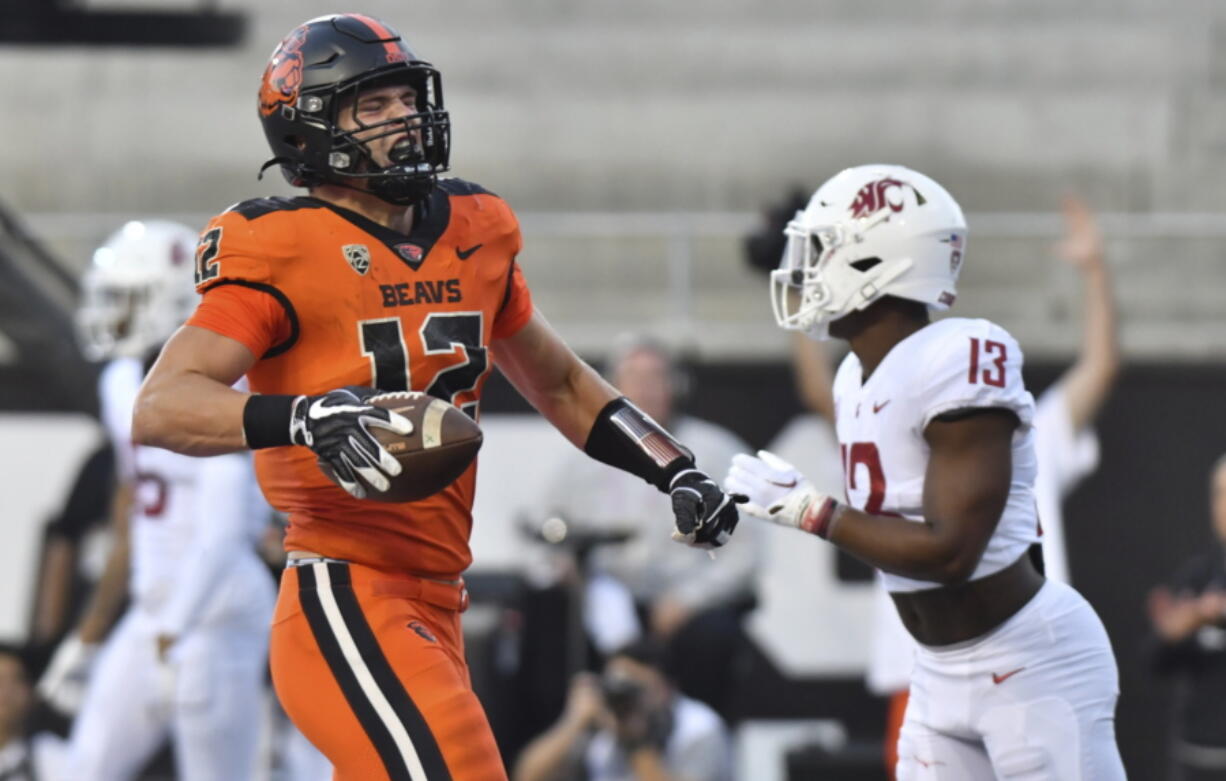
(91, 495)
(516, 304)
(233, 248)
(1066, 455)
(974, 365)
(516, 308)
(234, 273)
(244, 314)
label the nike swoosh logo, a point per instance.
(999, 679)
(464, 254)
(878, 407)
(783, 485)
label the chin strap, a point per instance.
(270, 164)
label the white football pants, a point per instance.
(1032, 700)
(209, 697)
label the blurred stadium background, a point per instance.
(639, 141)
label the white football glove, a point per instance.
(63, 683)
(779, 493)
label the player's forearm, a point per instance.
(1089, 380)
(564, 389)
(54, 586)
(913, 550)
(189, 413)
(572, 406)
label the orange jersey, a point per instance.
(328, 298)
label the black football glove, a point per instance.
(336, 426)
(703, 515)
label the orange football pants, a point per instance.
(370, 666)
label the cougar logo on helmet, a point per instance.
(825, 275)
(875, 196)
(283, 76)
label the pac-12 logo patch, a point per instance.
(358, 256)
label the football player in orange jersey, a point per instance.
(385, 277)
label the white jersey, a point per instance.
(118, 385)
(1066, 457)
(952, 364)
(185, 509)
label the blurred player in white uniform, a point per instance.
(187, 659)
(1014, 676)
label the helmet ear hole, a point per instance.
(864, 264)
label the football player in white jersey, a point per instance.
(187, 659)
(1014, 677)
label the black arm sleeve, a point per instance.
(90, 499)
(625, 437)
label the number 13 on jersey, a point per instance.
(994, 355)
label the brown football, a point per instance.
(443, 443)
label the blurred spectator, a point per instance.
(1189, 620)
(629, 725)
(22, 758)
(687, 598)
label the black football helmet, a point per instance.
(310, 74)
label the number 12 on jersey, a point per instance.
(442, 333)
(994, 373)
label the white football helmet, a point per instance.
(868, 232)
(138, 290)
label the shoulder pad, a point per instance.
(969, 363)
(258, 207)
(453, 186)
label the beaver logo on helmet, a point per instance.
(875, 196)
(283, 76)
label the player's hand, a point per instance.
(63, 684)
(703, 516)
(336, 426)
(779, 493)
(1082, 245)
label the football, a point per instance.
(443, 443)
